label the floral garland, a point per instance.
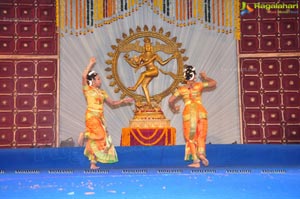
(79, 17)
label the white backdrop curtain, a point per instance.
(209, 51)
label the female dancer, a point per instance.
(194, 115)
(98, 144)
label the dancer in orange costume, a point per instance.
(194, 115)
(99, 147)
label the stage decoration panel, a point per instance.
(28, 103)
(270, 93)
(148, 136)
(81, 17)
(272, 30)
(28, 74)
(269, 74)
(28, 28)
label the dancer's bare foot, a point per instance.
(94, 166)
(204, 160)
(194, 165)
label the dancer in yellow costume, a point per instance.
(194, 115)
(99, 147)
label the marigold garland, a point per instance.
(163, 134)
(87, 14)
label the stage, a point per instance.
(235, 171)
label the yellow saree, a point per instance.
(98, 147)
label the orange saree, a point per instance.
(195, 123)
(98, 147)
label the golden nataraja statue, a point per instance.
(138, 51)
(147, 59)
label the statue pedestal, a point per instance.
(149, 117)
(149, 127)
(148, 136)
(149, 123)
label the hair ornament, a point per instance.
(90, 76)
(189, 72)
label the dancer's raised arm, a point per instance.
(211, 82)
(88, 68)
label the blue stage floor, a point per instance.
(235, 171)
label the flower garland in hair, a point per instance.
(189, 72)
(90, 76)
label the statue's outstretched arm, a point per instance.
(164, 62)
(131, 61)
